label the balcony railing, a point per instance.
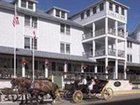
(87, 35)
(121, 34)
(111, 31)
(100, 32)
(112, 52)
(100, 52)
(88, 54)
(121, 53)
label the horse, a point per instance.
(35, 88)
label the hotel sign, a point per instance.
(117, 16)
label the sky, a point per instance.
(75, 6)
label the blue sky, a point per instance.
(76, 5)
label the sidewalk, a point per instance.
(135, 91)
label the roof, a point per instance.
(133, 64)
(94, 4)
(54, 7)
(43, 54)
(38, 13)
(133, 40)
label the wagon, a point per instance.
(78, 92)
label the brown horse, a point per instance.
(35, 88)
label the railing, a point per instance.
(121, 53)
(121, 34)
(100, 52)
(112, 52)
(88, 54)
(87, 35)
(111, 31)
(100, 32)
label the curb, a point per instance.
(117, 93)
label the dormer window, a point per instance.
(57, 13)
(94, 10)
(82, 15)
(88, 13)
(122, 11)
(63, 14)
(101, 6)
(30, 5)
(110, 6)
(117, 8)
(23, 3)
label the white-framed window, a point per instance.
(23, 3)
(30, 5)
(129, 44)
(30, 21)
(57, 13)
(101, 6)
(27, 20)
(129, 57)
(117, 9)
(28, 42)
(88, 13)
(64, 28)
(64, 48)
(94, 10)
(110, 6)
(63, 14)
(122, 11)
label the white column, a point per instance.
(82, 68)
(23, 70)
(106, 45)
(116, 69)
(94, 49)
(125, 68)
(46, 68)
(95, 71)
(65, 69)
(106, 67)
(93, 29)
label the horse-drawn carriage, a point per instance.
(28, 91)
(79, 92)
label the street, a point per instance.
(116, 100)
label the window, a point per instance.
(23, 3)
(30, 21)
(68, 48)
(82, 15)
(62, 28)
(101, 6)
(63, 14)
(129, 44)
(34, 22)
(30, 5)
(65, 28)
(88, 13)
(117, 8)
(94, 10)
(62, 48)
(27, 42)
(35, 43)
(122, 11)
(68, 29)
(110, 6)
(129, 57)
(57, 13)
(65, 48)
(27, 20)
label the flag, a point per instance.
(15, 18)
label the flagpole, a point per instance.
(15, 46)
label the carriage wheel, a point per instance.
(107, 93)
(77, 96)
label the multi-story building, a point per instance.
(93, 41)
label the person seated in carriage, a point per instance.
(83, 81)
(91, 84)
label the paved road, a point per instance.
(117, 100)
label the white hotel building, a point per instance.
(93, 41)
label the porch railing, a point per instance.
(100, 32)
(88, 54)
(100, 52)
(87, 36)
(121, 53)
(112, 52)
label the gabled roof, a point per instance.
(133, 40)
(54, 7)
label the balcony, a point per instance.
(121, 53)
(100, 32)
(87, 36)
(121, 34)
(112, 52)
(111, 31)
(100, 52)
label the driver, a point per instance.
(83, 81)
(92, 83)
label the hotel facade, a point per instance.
(94, 42)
